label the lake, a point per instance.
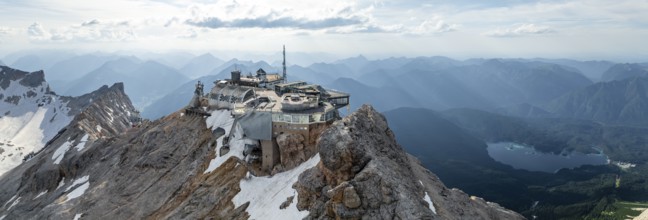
(527, 158)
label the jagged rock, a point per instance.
(288, 201)
(12, 99)
(33, 79)
(365, 174)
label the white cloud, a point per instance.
(434, 26)
(189, 34)
(336, 17)
(89, 31)
(357, 24)
(520, 30)
(37, 32)
(5, 30)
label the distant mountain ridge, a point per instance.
(592, 69)
(145, 81)
(625, 71)
(200, 66)
(487, 84)
(624, 101)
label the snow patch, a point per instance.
(236, 144)
(224, 120)
(429, 201)
(98, 128)
(10, 200)
(77, 216)
(60, 152)
(81, 144)
(15, 202)
(78, 182)
(78, 191)
(266, 194)
(62, 183)
(40, 194)
(220, 118)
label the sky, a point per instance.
(612, 30)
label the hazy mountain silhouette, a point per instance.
(592, 69)
(624, 71)
(624, 102)
(383, 98)
(61, 73)
(144, 82)
(200, 66)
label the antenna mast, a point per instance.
(284, 64)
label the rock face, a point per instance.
(365, 174)
(292, 152)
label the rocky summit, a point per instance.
(100, 166)
(32, 116)
(365, 174)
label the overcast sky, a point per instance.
(615, 30)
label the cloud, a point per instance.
(434, 26)
(520, 30)
(270, 21)
(189, 34)
(367, 28)
(37, 32)
(88, 31)
(172, 21)
(332, 17)
(90, 23)
(5, 30)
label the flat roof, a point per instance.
(275, 104)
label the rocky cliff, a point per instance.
(365, 174)
(171, 169)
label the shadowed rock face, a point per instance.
(365, 174)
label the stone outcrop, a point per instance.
(291, 150)
(365, 174)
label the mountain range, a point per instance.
(99, 165)
(618, 102)
(147, 81)
(625, 70)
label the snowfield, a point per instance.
(266, 194)
(26, 126)
(224, 120)
(81, 184)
